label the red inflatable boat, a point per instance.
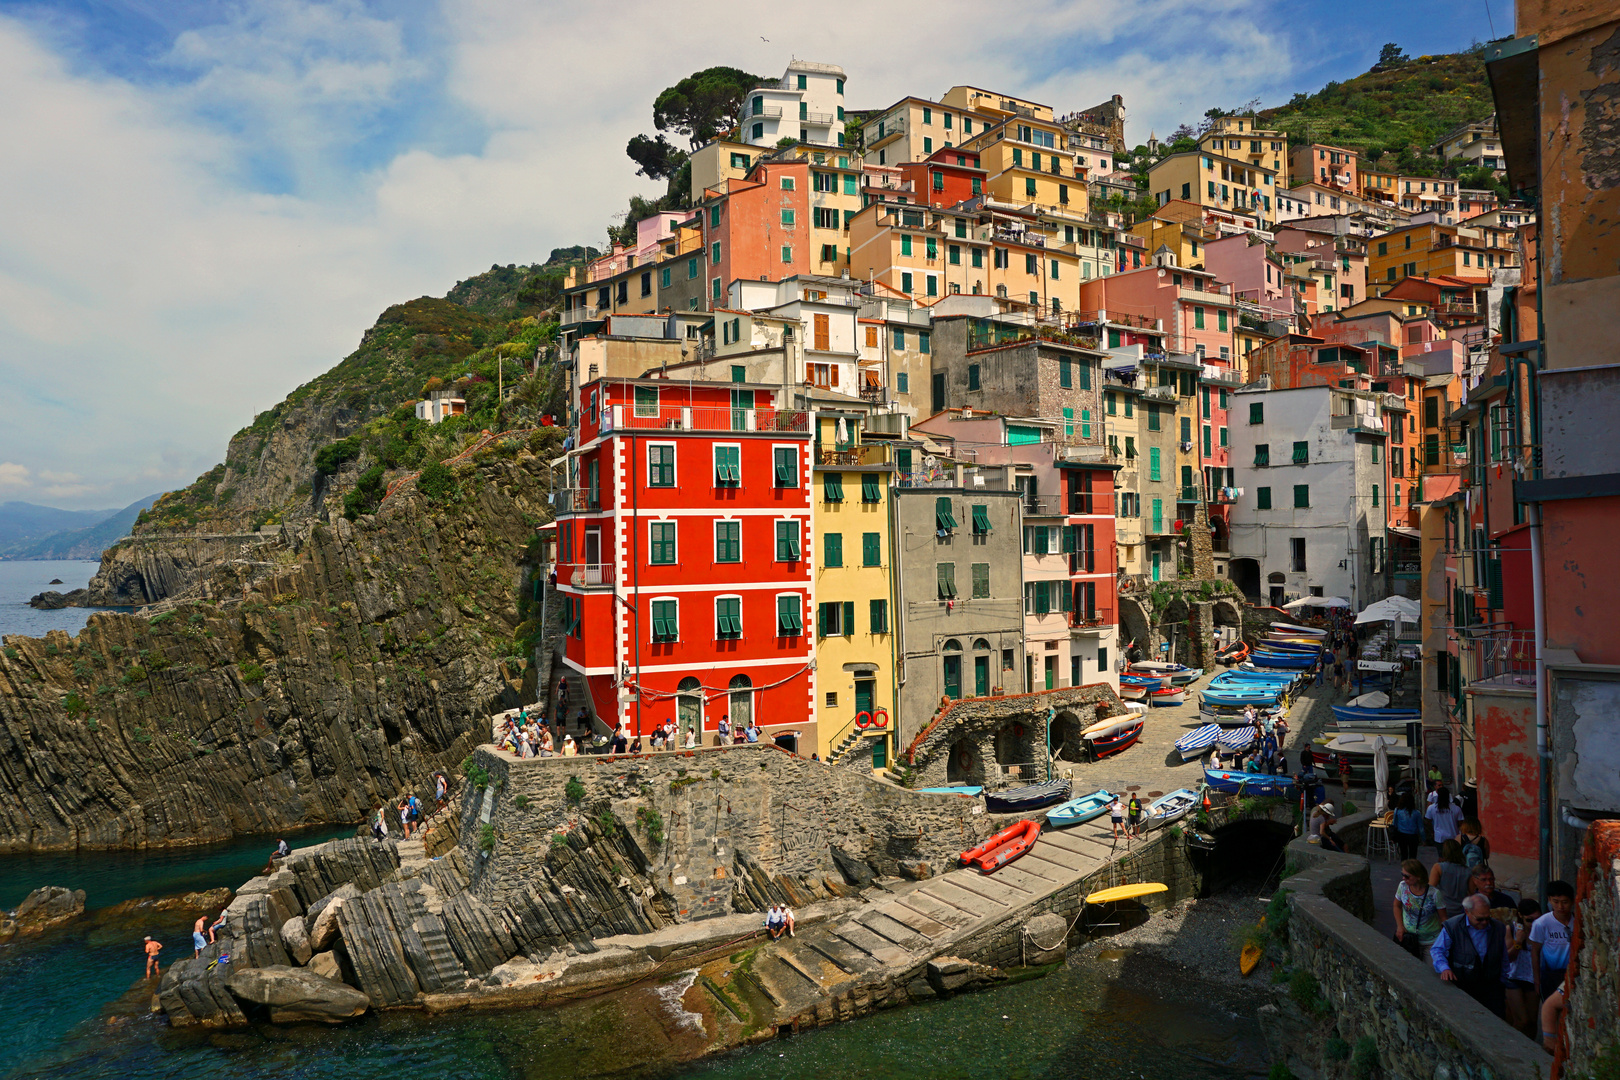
(1003, 847)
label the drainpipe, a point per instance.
(1543, 743)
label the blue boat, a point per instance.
(1233, 782)
(1288, 646)
(1197, 741)
(962, 789)
(1236, 739)
(1167, 808)
(1354, 712)
(1283, 660)
(1248, 680)
(1078, 811)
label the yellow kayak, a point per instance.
(1250, 958)
(1127, 892)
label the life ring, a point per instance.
(880, 718)
(862, 725)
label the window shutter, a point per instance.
(870, 492)
(832, 487)
(1493, 583)
(849, 618)
(943, 517)
(871, 553)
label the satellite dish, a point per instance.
(928, 460)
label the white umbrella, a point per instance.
(843, 431)
(1380, 776)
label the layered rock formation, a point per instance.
(42, 909)
(298, 683)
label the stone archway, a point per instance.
(1066, 742)
(965, 764)
(1015, 746)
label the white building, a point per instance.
(806, 106)
(1310, 515)
(440, 405)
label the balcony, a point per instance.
(853, 456)
(576, 501)
(1096, 618)
(688, 418)
(1048, 507)
(820, 119)
(770, 112)
(1188, 494)
(877, 395)
(586, 575)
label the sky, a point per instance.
(204, 205)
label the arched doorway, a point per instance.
(1246, 576)
(981, 667)
(1066, 742)
(951, 668)
(1277, 588)
(742, 703)
(689, 710)
(1015, 746)
(965, 765)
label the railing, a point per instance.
(818, 117)
(936, 477)
(1094, 617)
(1189, 494)
(585, 575)
(853, 455)
(770, 112)
(688, 418)
(1038, 507)
(1504, 653)
(875, 394)
(576, 501)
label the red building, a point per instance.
(758, 229)
(945, 178)
(684, 558)
(1093, 569)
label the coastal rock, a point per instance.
(42, 909)
(326, 965)
(323, 916)
(207, 900)
(295, 994)
(397, 947)
(192, 994)
(51, 600)
(854, 870)
(916, 869)
(296, 940)
(948, 974)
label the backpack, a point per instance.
(1473, 854)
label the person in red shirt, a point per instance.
(1344, 774)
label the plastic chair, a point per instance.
(1380, 845)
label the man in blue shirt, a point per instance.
(1475, 952)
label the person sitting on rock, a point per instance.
(787, 917)
(775, 922)
(218, 928)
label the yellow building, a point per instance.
(720, 160)
(1430, 250)
(913, 128)
(834, 198)
(1217, 182)
(1238, 138)
(1027, 162)
(855, 595)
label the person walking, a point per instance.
(199, 940)
(1417, 909)
(441, 790)
(1344, 775)
(1522, 1003)
(1450, 875)
(379, 824)
(153, 968)
(1549, 938)
(1408, 826)
(1116, 809)
(1445, 816)
(1475, 952)
(1476, 846)
(1133, 814)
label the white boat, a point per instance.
(1356, 744)
(1168, 808)
(1170, 695)
(1114, 725)
(1290, 628)
(1371, 727)
(1132, 693)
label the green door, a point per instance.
(863, 695)
(1155, 566)
(880, 751)
(981, 676)
(742, 403)
(1051, 673)
(953, 677)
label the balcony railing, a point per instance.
(688, 418)
(585, 575)
(1093, 618)
(770, 112)
(1047, 507)
(852, 456)
(817, 118)
(576, 501)
(1189, 494)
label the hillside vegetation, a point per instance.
(345, 430)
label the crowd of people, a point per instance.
(527, 736)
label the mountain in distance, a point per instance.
(85, 542)
(20, 521)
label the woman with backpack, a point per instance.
(1476, 847)
(1450, 876)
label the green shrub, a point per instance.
(652, 823)
(1365, 1059)
(252, 673)
(574, 791)
(436, 482)
(367, 494)
(1349, 807)
(161, 618)
(135, 674)
(12, 654)
(1336, 1049)
(486, 838)
(559, 839)
(608, 824)
(521, 802)
(75, 705)
(1304, 989)
(1280, 1071)
(334, 455)
(476, 774)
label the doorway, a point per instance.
(981, 676)
(689, 711)
(880, 752)
(1155, 560)
(865, 691)
(1277, 595)
(953, 672)
(1051, 672)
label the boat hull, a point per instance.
(1003, 847)
(1105, 745)
(1024, 799)
(1167, 808)
(1175, 695)
(1079, 811)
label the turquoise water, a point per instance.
(20, 579)
(76, 1009)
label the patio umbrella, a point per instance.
(1380, 776)
(843, 432)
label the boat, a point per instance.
(1021, 800)
(1146, 682)
(1197, 741)
(1235, 740)
(1247, 679)
(1234, 653)
(1351, 712)
(1233, 782)
(1162, 667)
(1170, 695)
(1003, 847)
(1312, 648)
(961, 789)
(1112, 736)
(1081, 810)
(1239, 698)
(1290, 628)
(1168, 808)
(1283, 660)
(1127, 892)
(1132, 693)
(1355, 744)
(1182, 678)
(1249, 959)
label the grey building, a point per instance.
(957, 542)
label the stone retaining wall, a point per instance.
(1592, 1022)
(1372, 987)
(713, 805)
(983, 721)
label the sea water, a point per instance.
(76, 1007)
(20, 580)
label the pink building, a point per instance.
(1253, 271)
(651, 232)
(1195, 310)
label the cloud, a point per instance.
(199, 225)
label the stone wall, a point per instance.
(725, 813)
(1591, 1031)
(1373, 987)
(980, 731)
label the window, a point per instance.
(663, 278)
(1130, 445)
(1375, 494)
(871, 549)
(787, 254)
(1064, 376)
(788, 612)
(899, 340)
(832, 549)
(666, 622)
(728, 541)
(728, 617)
(1153, 464)
(1220, 319)
(691, 268)
(870, 491)
(1302, 453)
(1153, 417)
(787, 541)
(1302, 496)
(835, 619)
(944, 519)
(981, 520)
(661, 465)
(924, 337)
(946, 575)
(902, 383)
(973, 377)
(1198, 317)
(1257, 412)
(880, 616)
(1223, 437)
(1186, 429)
(646, 401)
(981, 580)
(1262, 498)
(832, 486)
(1296, 554)
(905, 283)
(662, 537)
(1375, 454)
(787, 183)
(786, 459)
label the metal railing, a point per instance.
(688, 418)
(852, 455)
(585, 575)
(769, 112)
(1095, 617)
(576, 501)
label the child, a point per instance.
(1549, 938)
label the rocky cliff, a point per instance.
(295, 680)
